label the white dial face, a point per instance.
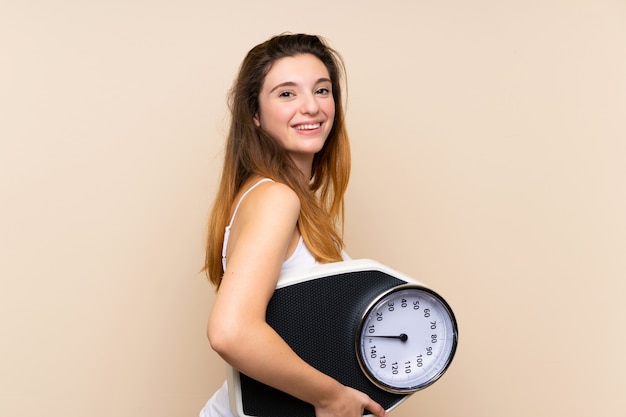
(406, 339)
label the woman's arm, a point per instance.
(263, 234)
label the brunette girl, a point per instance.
(279, 207)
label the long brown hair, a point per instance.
(252, 151)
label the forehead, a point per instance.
(298, 69)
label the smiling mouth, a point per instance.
(311, 126)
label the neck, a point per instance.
(304, 164)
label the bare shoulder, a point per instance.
(264, 227)
(271, 200)
(276, 191)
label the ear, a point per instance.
(257, 121)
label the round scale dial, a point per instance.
(406, 339)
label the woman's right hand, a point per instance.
(349, 402)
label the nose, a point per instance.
(309, 104)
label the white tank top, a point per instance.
(300, 258)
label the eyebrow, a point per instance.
(293, 84)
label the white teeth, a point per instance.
(308, 127)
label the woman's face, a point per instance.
(296, 106)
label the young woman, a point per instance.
(278, 208)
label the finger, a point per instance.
(376, 409)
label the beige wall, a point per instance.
(489, 146)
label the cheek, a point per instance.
(275, 121)
(272, 116)
(329, 110)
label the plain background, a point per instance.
(489, 144)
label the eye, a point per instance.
(323, 91)
(286, 94)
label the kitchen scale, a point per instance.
(364, 324)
